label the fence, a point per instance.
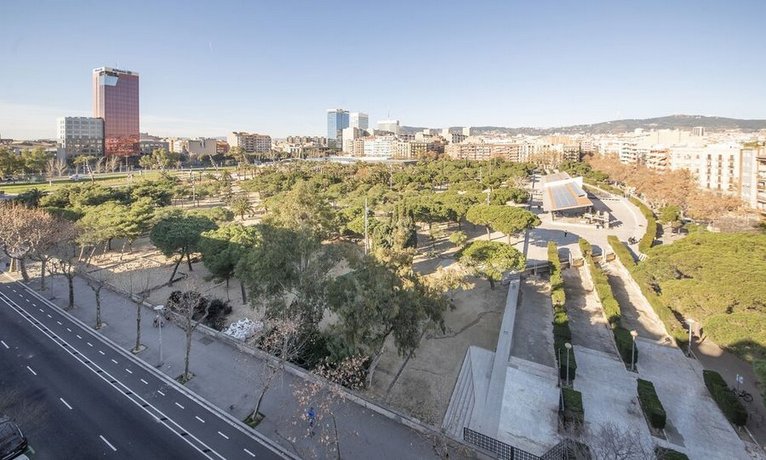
(503, 450)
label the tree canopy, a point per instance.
(490, 259)
(179, 235)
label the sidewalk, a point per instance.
(229, 379)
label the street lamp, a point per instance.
(160, 309)
(568, 347)
(690, 322)
(633, 334)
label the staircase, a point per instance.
(460, 409)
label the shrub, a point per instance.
(727, 401)
(622, 252)
(604, 291)
(624, 342)
(558, 297)
(647, 240)
(759, 367)
(572, 408)
(650, 404)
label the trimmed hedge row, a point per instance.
(585, 247)
(624, 342)
(561, 332)
(666, 315)
(730, 405)
(651, 404)
(558, 297)
(572, 408)
(651, 226)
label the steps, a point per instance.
(460, 409)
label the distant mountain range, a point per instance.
(628, 125)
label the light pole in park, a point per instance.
(633, 334)
(160, 309)
(568, 347)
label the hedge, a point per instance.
(727, 401)
(647, 240)
(572, 407)
(585, 247)
(604, 292)
(558, 297)
(665, 453)
(624, 342)
(651, 404)
(666, 315)
(561, 335)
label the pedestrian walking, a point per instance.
(312, 416)
(565, 234)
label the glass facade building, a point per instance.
(115, 100)
(337, 120)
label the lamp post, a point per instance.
(633, 334)
(160, 309)
(690, 322)
(568, 347)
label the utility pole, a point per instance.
(366, 243)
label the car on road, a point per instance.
(12, 440)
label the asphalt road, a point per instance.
(79, 396)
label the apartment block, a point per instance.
(250, 143)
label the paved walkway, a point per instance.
(230, 379)
(532, 331)
(586, 317)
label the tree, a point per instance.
(96, 282)
(222, 249)
(302, 209)
(10, 163)
(65, 262)
(506, 219)
(458, 238)
(34, 161)
(241, 205)
(179, 235)
(490, 259)
(480, 214)
(287, 273)
(189, 309)
(50, 232)
(138, 291)
(24, 231)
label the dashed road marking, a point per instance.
(66, 403)
(101, 352)
(199, 419)
(5, 345)
(48, 315)
(144, 382)
(68, 329)
(128, 371)
(41, 310)
(108, 443)
(89, 344)
(249, 453)
(78, 336)
(30, 370)
(179, 405)
(224, 436)
(158, 391)
(114, 361)
(59, 323)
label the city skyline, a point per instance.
(511, 65)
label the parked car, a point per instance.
(12, 440)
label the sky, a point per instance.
(208, 68)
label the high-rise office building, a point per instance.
(359, 120)
(390, 126)
(115, 100)
(337, 120)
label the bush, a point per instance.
(624, 342)
(647, 240)
(585, 247)
(572, 408)
(665, 453)
(622, 252)
(604, 291)
(727, 401)
(558, 297)
(651, 404)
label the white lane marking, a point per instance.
(101, 352)
(59, 323)
(224, 436)
(108, 443)
(158, 391)
(89, 344)
(78, 336)
(128, 370)
(199, 419)
(14, 290)
(179, 405)
(5, 345)
(66, 403)
(30, 370)
(27, 300)
(41, 310)
(68, 329)
(249, 453)
(144, 382)
(49, 316)
(114, 361)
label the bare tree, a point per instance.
(50, 233)
(189, 309)
(609, 442)
(21, 232)
(96, 282)
(138, 291)
(112, 163)
(65, 262)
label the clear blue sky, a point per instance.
(275, 67)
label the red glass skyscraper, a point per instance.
(115, 99)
